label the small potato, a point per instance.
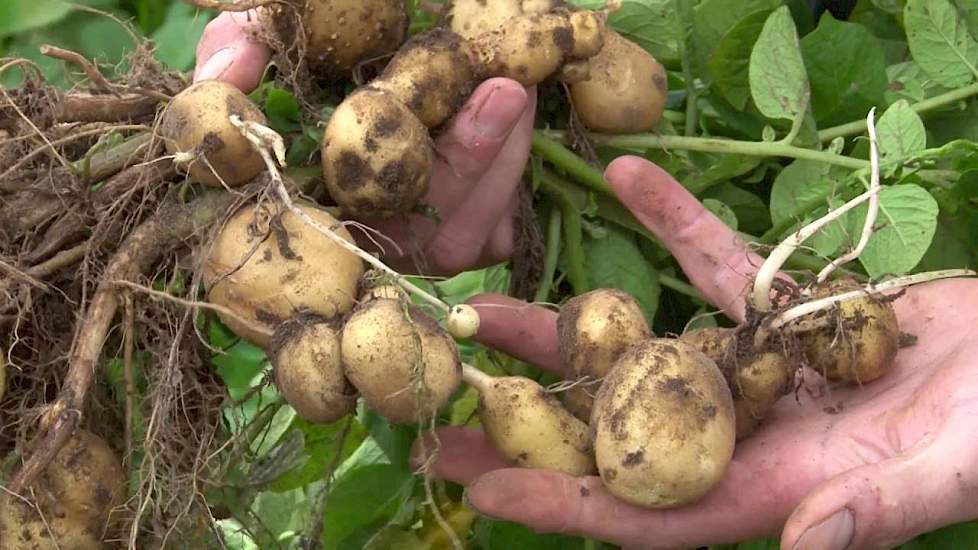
(266, 267)
(406, 368)
(531, 47)
(626, 90)
(432, 74)
(530, 428)
(861, 340)
(196, 121)
(22, 528)
(377, 155)
(342, 33)
(594, 329)
(664, 425)
(305, 354)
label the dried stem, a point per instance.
(94, 75)
(874, 203)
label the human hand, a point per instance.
(857, 467)
(480, 158)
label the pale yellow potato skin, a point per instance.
(664, 425)
(626, 90)
(594, 329)
(431, 74)
(862, 341)
(308, 369)
(268, 273)
(530, 428)
(470, 18)
(342, 33)
(22, 528)
(377, 155)
(384, 352)
(197, 121)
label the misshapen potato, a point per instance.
(625, 91)
(664, 425)
(861, 340)
(342, 33)
(197, 122)
(404, 364)
(267, 266)
(305, 354)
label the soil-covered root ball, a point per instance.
(531, 47)
(432, 74)
(530, 428)
(859, 339)
(197, 122)
(404, 364)
(664, 426)
(23, 528)
(305, 354)
(757, 379)
(594, 329)
(625, 91)
(377, 155)
(267, 265)
(342, 33)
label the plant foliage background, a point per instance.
(751, 70)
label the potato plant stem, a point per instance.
(573, 233)
(569, 162)
(554, 228)
(476, 378)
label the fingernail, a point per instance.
(833, 533)
(216, 64)
(492, 120)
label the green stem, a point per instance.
(714, 145)
(567, 161)
(680, 286)
(550, 184)
(550, 260)
(859, 126)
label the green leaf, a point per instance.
(176, 40)
(364, 497)
(731, 59)
(280, 514)
(615, 261)
(651, 24)
(322, 441)
(721, 211)
(845, 67)
(396, 440)
(907, 221)
(712, 19)
(962, 535)
(940, 43)
(953, 243)
(968, 9)
(777, 76)
(752, 213)
(502, 535)
(708, 170)
(900, 133)
(801, 182)
(23, 15)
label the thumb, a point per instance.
(879, 505)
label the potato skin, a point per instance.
(196, 120)
(380, 354)
(432, 74)
(664, 425)
(470, 18)
(279, 266)
(626, 91)
(867, 343)
(342, 33)
(305, 354)
(530, 428)
(377, 155)
(22, 528)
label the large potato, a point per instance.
(377, 155)
(342, 33)
(22, 528)
(626, 89)
(530, 428)
(664, 425)
(861, 338)
(404, 364)
(266, 267)
(197, 121)
(308, 370)
(470, 18)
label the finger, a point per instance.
(524, 331)
(885, 504)
(502, 241)
(463, 454)
(231, 51)
(461, 238)
(711, 255)
(480, 129)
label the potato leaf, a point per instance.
(940, 42)
(778, 82)
(729, 63)
(901, 133)
(615, 261)
(906, 225)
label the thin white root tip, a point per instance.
(463, 321)
(476, 378)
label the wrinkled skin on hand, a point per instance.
(857, 467)
(481, 157)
